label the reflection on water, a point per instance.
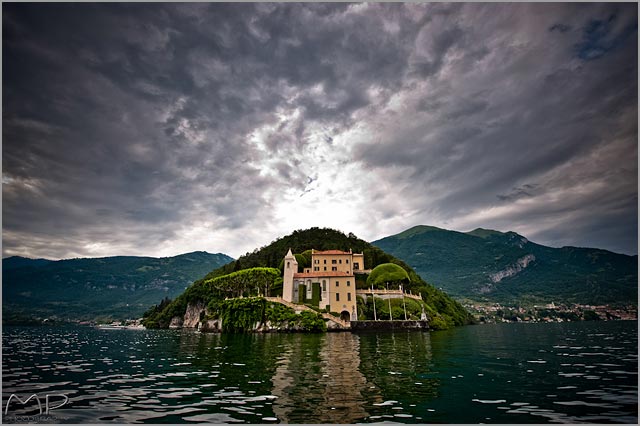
(320, 383)
(514, 373)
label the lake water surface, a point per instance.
(503, 373)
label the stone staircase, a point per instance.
(337, 320)
(300, 308)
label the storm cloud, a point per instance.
(157, 129)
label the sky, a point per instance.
(160, 129)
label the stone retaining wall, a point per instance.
(389, 325)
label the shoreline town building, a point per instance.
(331, 277)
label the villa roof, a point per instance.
(326, 274)
(331, 252)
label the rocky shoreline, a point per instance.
(196, 318)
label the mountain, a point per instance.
(505, 267)
(448, 311)
(89, 288)
(20, 262)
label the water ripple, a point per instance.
(512, 373)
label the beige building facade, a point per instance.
(334, 271)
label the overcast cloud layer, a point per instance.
(158, 129)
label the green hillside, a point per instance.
(111, 287)
(449, 312)
(488, 265)
(21, 262)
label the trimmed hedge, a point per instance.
(387, 273)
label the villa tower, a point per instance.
(290, 269)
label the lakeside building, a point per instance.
(330, 281)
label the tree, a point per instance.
(303, 261)
(247, 282)
(387, 273)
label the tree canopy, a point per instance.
(387, 273)
(253, 281)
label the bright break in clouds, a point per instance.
(158, 129)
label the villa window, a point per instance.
(337, 297)
(337, 283)
(288, 265)
(356, 266)
(325, 268)
(325, 261)
(349, 297)
(333, 268)
(347, 261)
(340, 261)
(348, 283)
(315, 268)
(324, 285)
(334, 261)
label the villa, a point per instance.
(329, 283)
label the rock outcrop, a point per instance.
(193, 314)
(196, 317)
(211, 326)
(512, 270)
(176, 322)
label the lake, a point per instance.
(499, 373)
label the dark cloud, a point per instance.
(156, 129)
(600, 35)
(523, 191)
(560, 27)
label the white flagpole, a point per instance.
(373, 296)
(390, 315)
(403, 304)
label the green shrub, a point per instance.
(438, 323)
(315, 308)
(151, 324)
(241, 315)
(312, 322)
(278, 313)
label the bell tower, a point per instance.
(290, 268)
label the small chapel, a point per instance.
(329, 282)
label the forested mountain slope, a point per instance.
(488, 265)
(89, 288)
